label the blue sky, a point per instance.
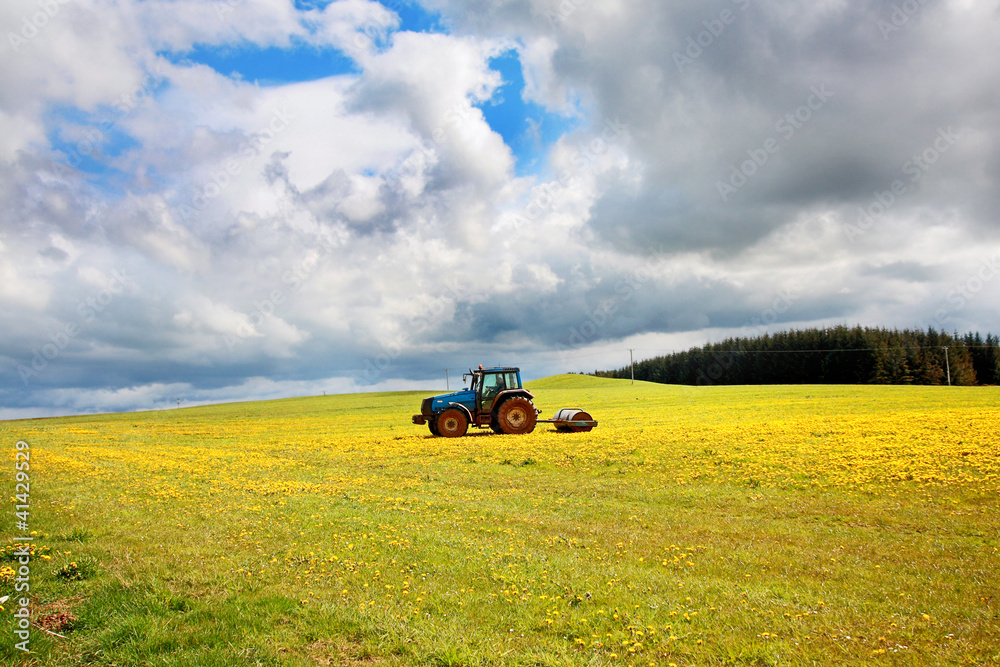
(527, 127)
(413, 16)
(90, 143)
(271, 66)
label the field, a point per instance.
(807, 525)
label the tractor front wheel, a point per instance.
(452, 423)
(517, 416)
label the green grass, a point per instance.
(728, 525)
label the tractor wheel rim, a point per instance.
(516, 417)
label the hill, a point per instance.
(571, 381)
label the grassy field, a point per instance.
(807, 525)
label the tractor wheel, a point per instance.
(517, 416)
(432, 425)
(495, 426)
(452, 423)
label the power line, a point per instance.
(842, 349)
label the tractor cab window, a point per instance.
(511, 382)
(493, 383)
(491, 386)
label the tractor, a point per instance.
(494, 399)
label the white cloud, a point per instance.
(19, 133)
(354, 26)
(18, 289)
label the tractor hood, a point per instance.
(466, 398)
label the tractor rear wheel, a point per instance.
(517, 416)
(452, 423)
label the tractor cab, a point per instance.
(490, 383)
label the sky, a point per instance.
(205, 201)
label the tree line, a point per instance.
(834, 355)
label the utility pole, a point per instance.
(631, 362)
(947, 365)
(447, 380)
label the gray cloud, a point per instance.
(701, 103)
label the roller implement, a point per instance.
(572, 420)
(497, 400)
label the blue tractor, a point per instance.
(494, 399)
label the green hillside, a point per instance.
(572, 381)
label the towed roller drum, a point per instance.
(572, 420)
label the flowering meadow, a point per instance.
(783, 525)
